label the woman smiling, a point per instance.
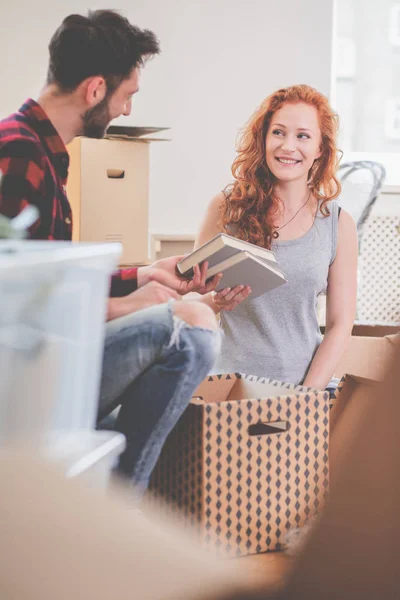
(283, 197)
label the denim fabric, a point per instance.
(153, 362)
(332, 386)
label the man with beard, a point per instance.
(156, 350)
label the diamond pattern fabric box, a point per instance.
(247, 462)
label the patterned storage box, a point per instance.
(378, 298)
(247, 461)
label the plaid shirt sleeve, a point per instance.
(123, 282)
(23, 178)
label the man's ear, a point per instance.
(95, 90)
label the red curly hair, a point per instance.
(250, 202)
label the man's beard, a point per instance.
(96, 120)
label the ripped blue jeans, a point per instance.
(153, 362)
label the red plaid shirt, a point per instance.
(34, 162)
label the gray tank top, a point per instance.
(276, 335)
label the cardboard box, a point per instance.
(247, 461)
(350, 392)
(353, 551)
(366, 365)
(108, 188)
(355, 399)
(368, 356)
(375, 329)
(372, 329)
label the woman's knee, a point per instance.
(196, 314)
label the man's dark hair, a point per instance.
(103, 43)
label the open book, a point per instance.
(218, 249)
(240, 262)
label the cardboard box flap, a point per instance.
(142, 140)
(368, 357)
(372, 329)
(247, 388)
(359, 379)
(133, 132)
(354, 402)
(375, 329)
(214, 388)
(394, 338)
(136, 134)
(351, 386)
(237, 386)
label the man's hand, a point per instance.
(164, 271)
(150, 294)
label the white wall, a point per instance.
(219, 59)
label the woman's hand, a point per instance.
(228, 299)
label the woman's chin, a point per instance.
(287, 175)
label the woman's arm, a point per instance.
(340, 307)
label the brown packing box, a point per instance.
(349, 404)
(247, 461)
(355, 401)
(375, 329)
(108, 188)
(368, 356)
(372, 329)
(366, 364)
(353, 553)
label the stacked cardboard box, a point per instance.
(108, 188)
